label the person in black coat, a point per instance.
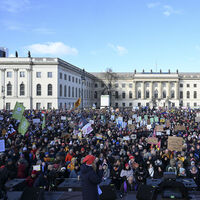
(90, 178)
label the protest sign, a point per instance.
(146, 117)
(1, 118)
(197, 119)
(149, 126)
(91, 121)
(162, 120)
(152, 140)
(2, 145)
(36, 121)
(36, 168)
(112, 117)
(23, 126)
(87, 129)
(159, 128)
(126, 138)
(18, 111)
(129, 121)
(167, 132)
(168, 123)
(156, 119)
(180, 128)
(175, 143)
(99, 136)
(63, 118)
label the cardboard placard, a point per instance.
(197, 119)
(180, 128)
(175, 143)
(152, 140)
(159, 128)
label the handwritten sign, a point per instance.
(159, 128)
(180, 128)
(152, 140)
(175, 143)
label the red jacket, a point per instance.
(21, 172)
(68, 157)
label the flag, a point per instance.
(18, 111)
(82, 122)
(158, 145)
(23, 126)
(43, 123)
(77, 103)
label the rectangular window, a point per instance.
(65, 76)
(22, 74)
(116, 94)
(130, 85)
(60, 75)
(38, 74)
(195, 104)
(195, 85)
(116, 85)
(76, 80)
(123, 95)
(49, 74)
(96, 85)
(69, 78)
(173, 104)
(38, 106)
(188, 85)
(116, 104)
(79, 80)
(9, 74)
(181, 85)
(181, 94)
(123, 85)
(123, 104)
(72, 79)
(7, 106)
(147, 104)
(49, 105)
(195, 94)
(130, 104)
(60, 105)
(188, 104)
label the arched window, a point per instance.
(139, 94)
(188, 94)
(9, 89)
(22, 89)
(65, 91)
(130, 95)
(172, 94)
(116, 95)
(50, 89)
(156, 94)
(69, 91)
(95, 94)
(164, 94)
(38, 90)
(147, 94)
(60, 90)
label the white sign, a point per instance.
(149, 126)
(112, 117)
(130, 121)
(1, 117)
(36, 168)
(36, 121)
(167, 132)
(87, 129)
(91, 121)
(63, 118)
(105, 100)
(2, 145)
(126, 138)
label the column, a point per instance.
(142, 90)
(28, 92)
(3, 88)
(176, 90)
(16, 82)
(168, 90)
(134, 89)
(151, 89)
(160, 90)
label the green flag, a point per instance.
(18, 111)
(23, 126)
(156, 119)
(151, 120)
(146, 117)
(43, 122)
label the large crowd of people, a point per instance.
(117, 145)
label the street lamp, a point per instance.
(82, 82)
(3, 94)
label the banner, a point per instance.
(23, 126)
(87, 129)
(180, 128)
(77, 103)
(175, 143)
(2, 145)
(18, 111)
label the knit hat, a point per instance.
(89, 159)
(126, 164)
(131, 157)
(82, 149)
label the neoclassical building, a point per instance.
(43, 83)
(54, 83)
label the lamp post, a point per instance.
(3, 95)
(82, 82)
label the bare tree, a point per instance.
(109, 80)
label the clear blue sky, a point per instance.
(96, 34)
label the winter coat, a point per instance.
(21, 172)
(89, 180)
